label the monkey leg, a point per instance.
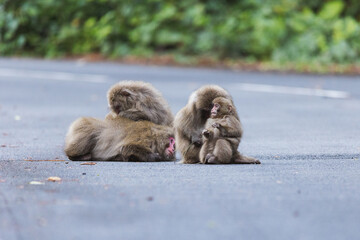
(241, 159)
(204, 151)
(139, 153)
(191, 154)
(222, 153)
(80, 139)
(188, 150)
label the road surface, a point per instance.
(305, 129)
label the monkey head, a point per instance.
(221, 107)
(166, 148)
(129, 94)
(201, 100)
(120, 99)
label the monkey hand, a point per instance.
(206, 133)
(154, 157)
(216, 125)
(196, 140)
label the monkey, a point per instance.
(190, 121)
(119, 139)
(222, 133)
(137, 101)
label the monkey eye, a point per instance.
(216, 105)
(172, 140)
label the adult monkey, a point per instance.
(138, 127)
(190, 122)
(119, 139)
(137, 100)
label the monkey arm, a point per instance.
(139, 153)
(189, 151)
(189, 135)
(196, 140)
(230, 127)
(186, 131)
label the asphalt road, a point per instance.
(304, 129)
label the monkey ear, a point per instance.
(230, 109)
(125, 93)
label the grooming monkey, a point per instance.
(190, 122)
(222, 133)
(119, 139)
(138, 100)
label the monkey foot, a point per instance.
(86, 157)
(210, 159)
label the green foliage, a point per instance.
(278, 30)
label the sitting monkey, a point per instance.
(222, 133)
(190, 121)
(119, 139)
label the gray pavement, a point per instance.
(307, 187)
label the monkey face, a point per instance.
(170, 150)
(221, 107)
(215, 109)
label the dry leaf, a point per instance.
(36, 183)
(54, 179)
(88, 163)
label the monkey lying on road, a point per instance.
(138, 100)
(119, 139)
(222, 133)
(138, 128)
(190, 122)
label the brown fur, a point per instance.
(190, 121)
(222, 133)
(138, 100)
(118, 139)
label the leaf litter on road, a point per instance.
(88, 163)
(36, 183)
(54, 179)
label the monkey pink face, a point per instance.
(170, 151)
(215, 109)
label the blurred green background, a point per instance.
(254, 30)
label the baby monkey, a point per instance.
(222, 133)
